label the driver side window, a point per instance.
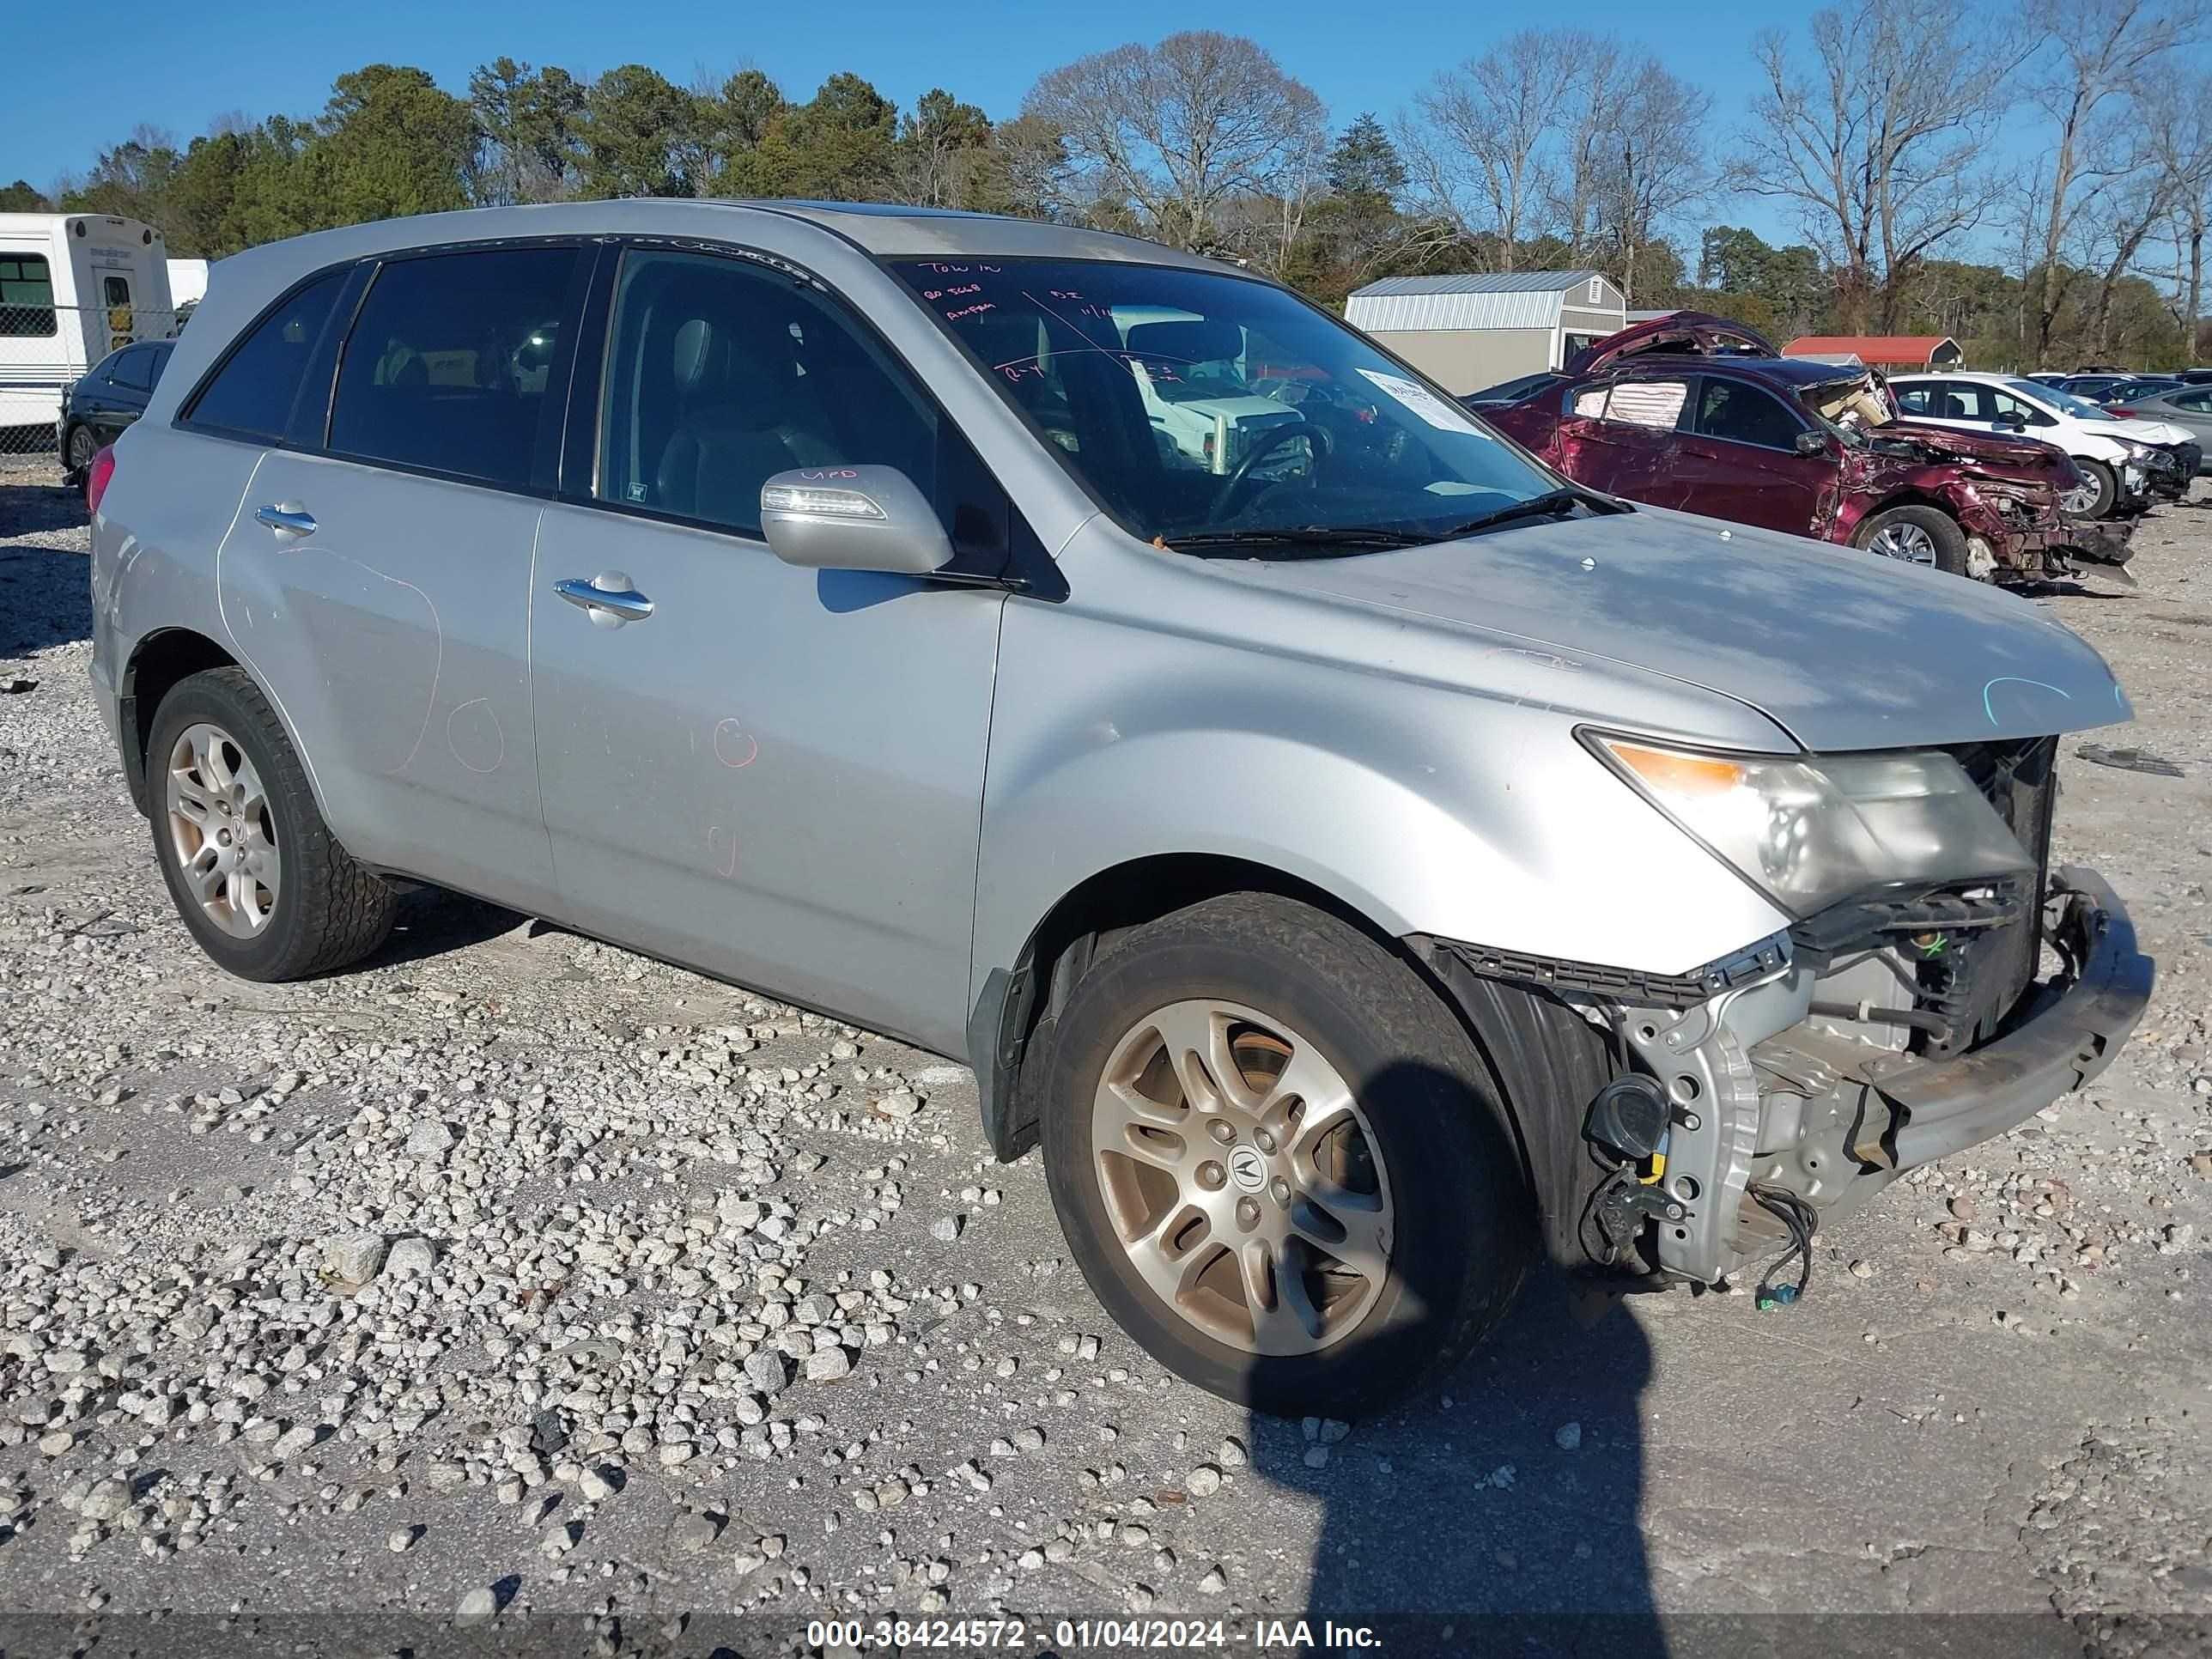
(2010, 406)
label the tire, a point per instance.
(79, 445)
(318, 910)
(1925, 536)
(2098, 494)
(1444, 1195)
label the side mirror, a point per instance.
(852, 518)
(1812, 441)
(2012, 418)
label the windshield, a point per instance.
(1198, 406)
(2065, 402)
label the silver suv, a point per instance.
(1366, 861)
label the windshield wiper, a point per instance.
(1305, 536)
(1552, 504)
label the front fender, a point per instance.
(1425, 805)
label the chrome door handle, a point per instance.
(286, 520)
(608, 594)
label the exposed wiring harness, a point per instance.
(1803, 1221)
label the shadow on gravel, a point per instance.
(45, 596)
(432, 921)
(1507, 1523)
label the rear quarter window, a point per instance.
(251, 392)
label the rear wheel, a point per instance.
(2093, 496)
(1917, 535)
(1274, 1161)
(262, 885)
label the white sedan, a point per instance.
(2119, 461)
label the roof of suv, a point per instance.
(876, 229)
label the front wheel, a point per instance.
(1917, 535)
(79, 447)
(1277, 1161)
(2093, 496)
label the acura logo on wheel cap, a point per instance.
(1248, 1168)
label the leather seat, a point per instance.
(747, 415)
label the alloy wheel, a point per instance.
(221, 829)
(1241, 1179)
(2079, 500)
(1904, 540)
(82, 447)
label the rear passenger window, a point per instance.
(448, 364)
(252, 394)
(134, 369)
(1655, 404)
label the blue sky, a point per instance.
(187, 67)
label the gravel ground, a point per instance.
(516, 1282)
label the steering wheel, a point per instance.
(1271, 441)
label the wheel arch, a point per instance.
(1017, 999)
(161, 658)
(157, 663)
(1544, 1060)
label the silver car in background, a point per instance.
(1364, 859)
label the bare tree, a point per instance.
(2100, 52)
(1603, 81)
(1478, 140)
(1650, 164)
(2169, 167)
(1879, 143)
(1179, 128)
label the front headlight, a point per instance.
(1807, 832)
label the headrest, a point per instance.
(1202, 340)
(694, 352)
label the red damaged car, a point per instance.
(1695, 412)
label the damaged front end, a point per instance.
(1747, 1101)
(2006, 494)
(1891, 1029)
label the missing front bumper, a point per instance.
(2062, 1036)
(1766, 1096)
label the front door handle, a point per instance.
(608, 597)
(286, 520)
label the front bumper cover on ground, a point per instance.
(2107, 541)
(2064, 1038)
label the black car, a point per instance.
(111, 395)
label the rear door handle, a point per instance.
(608, 597)
(286, 520)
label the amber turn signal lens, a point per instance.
(1679, 774)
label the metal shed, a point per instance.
(1474, 330)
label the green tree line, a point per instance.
(1555, 149)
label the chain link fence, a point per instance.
(46, 349)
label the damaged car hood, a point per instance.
(2024, 458)
(1843, 649)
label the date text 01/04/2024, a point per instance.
(1090, 1635)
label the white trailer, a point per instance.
(187, 281)
(73, 286)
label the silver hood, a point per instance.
(1844, 650)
